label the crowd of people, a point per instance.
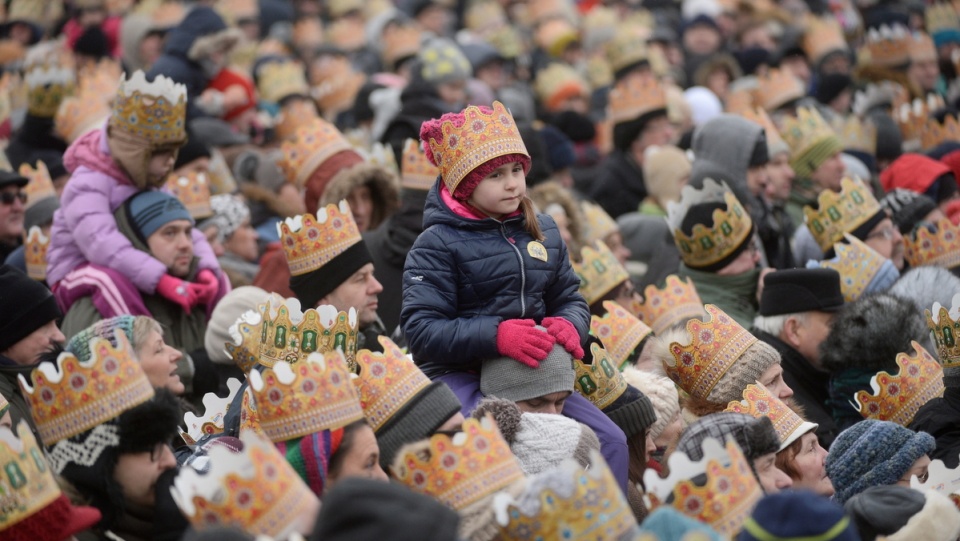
(479, 270)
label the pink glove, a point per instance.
(178, 291)
(566, 335)
(206, 287)
(520, 339)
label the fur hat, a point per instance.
(384, 189)
(903, 514)
(662, 394)
(755, 436)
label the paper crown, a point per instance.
(620, 331)
(599, 272)
(35, 253)
(805, 131)
(883, 94)
(555, 36)
(600, 382)
(628, 47)
(570, 503)
(719, 490)
(72, 397)
(311, 243)
(311, 145)
(39, 185)
(480, 138)
(193, 190)
(634, 97)
(297, 400)
(897, 398)
(80, 114)
(254, 490)
(936, 245)
(28, 485)
(913, 117)
(940, 16)
(597, 223)
(857, 264)
(558, 82)
(676, 303)
(214, 411)
(855, 134)
(399, 42)
(484, 16)
(758, 402)
(759, 116)
(716, 343)
(463, 469)
(934, 133)
(777, 88)
(279, 331)
(293, 115)
(823, 35)
(46, 88)
(709, 243)
(101, 79)
(888, 46)
(417, 173)
(945, 326)
(839, 213)
(387, 382)
(921, 47)
(154, 111)
(281, 79)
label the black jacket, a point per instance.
(940, 417)
(620, 187)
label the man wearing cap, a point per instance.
(12, 208)
(796, 311)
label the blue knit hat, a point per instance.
(795, 515)
(150, 210)
(668, 524)
(873, 453)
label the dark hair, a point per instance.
(637, 457)
(597, 308)
(346, 444)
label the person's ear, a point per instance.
(791, 332)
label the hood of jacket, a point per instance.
(201, 21)
(91, 151)
(722, 148)
(438, 212)
(384, 189)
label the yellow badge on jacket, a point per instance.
(537, 251)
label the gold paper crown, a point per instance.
(484, 16)
(805, 131)
(387, 382)
(311, 243)
(664, 308)
(347, 34)
(214, 411)
(335, 84)
(758, 402)
(417, 173)
(155, 111)
(279, 80)
(599, 272)
(398, 43)
(559, 81)
(47, 86)
(888, 46)
(620, 331)
(823, 35)
(897, 398)
(634, 97)
(35, 253)
(313, 395)
(628, 47)
(293, 115)
(462, 469)
(29, 485)
(857, 265)
(945, 326)
(885, 94)
(480, 138)
(839, 213)
(254, 490)
(72, 397)
(597, 223)
(941, 16)
(311, 145)
(937, 248)
(715, 345)
(709, 243)
(759, 116)
(935, 133)
(40, 186)
(193, 190)
(855, 134)
(719, 490)
(80, 114)
(601, 381)
(777, 88)
(912, 117)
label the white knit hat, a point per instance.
(662, 393)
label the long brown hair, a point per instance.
(530, 216)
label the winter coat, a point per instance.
(10, 390)
(84, 224)
(938, 417)
(619, 189)
(465, 275)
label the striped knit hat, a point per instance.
(310, 456)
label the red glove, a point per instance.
(178, 291)
(566, 335)
(206, 287)
(520, 339)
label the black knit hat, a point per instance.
(28, 304)
(792, 291)
(318, 283)
(831, 85)
(632, 412)
(418, 419)
(907, 208)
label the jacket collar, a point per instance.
(796, 365)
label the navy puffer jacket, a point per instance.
(464, 276)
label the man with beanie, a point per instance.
(898, 513)
(797, 308)
(815, 157)
(12, 208)
(835, 91)
(798, 515)
(908, 208)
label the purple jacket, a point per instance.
(84, 229)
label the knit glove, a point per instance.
(519, 339)
(206, 287)
(178, 291)
(565, 334)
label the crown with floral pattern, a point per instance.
(417, 173)
(934, 133)
(676, 303)
(35, 253)
(839, 213)
(945, 326)
(620, 331)
(311, 145)
(254, 490)
(156, 112)
(599, 272)
(822, 36)
(28, 483)
(311, 242)
(936, 246)
(857, 264)
(758, 402)
(71, 397)
(39, 185)
(387, 382)
(193, 190)
(716, 343)
(80, 114)
(214, 412)
(47, 86)
(855, 134)
(712, 242)
(600, 382)
(281, 79)
(462, 469)
(597, 223)
(805, 132)
(777, 88)
(292, 116)
(913, 118)
(888, 46)
(897, 398)
(634, 97)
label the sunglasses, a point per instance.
(7, 198)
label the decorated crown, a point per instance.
(945, 326)
(855, 134)
(305, 398)
(888, 46)
(912, 117)
(935, 133)
(716, 343)
(480, 138)
(293, 115)
(758, 402)
(281, 79)
(676, 303)
(214, 411)
(29, 485)
(387, 382)
(80, 114)
(558, 82)
(777, 88)
(940, 16)
(40, 186)
(35, 254)
(311, 243)
(555, 35)
(805, 131)
(254, 490)
(839, 213)
(46, 88)
(620, 331)
(462, 469)
(311, 145)
(897, 398)
(193, 190)
(822, 36)
(599, 272)
(709, 243)
(600, 382)
(884, 93)
(935, 245)
(398, 43)
(634, 97)
(101, 79)
(155, 111)
(759, 116)
(719, 490)
(921, 47)
(417, 173)
(597, 223)
(857, 264)
(72, 397)
(627, 47)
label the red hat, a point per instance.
(228, 78)
(57, 521)
(914, 172)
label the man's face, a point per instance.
(810, 333)
(658, 131)
(772, 379)
(701, 39)
(886, 239)
(360, 292)
(28, 349)
(779, 178)
(172, 245)
(924, 73)
(829, 174)
(11, 214)
(549, 403)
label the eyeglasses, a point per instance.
(7, 198)
(887, 233)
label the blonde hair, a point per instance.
(142, 327)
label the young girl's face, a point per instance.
(499, 194)
(161, 163)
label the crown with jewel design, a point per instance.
(254, 490)
(417, 173)
(35, 253)
(777, 88)
(716, 342)
(805, 132)
(462, 469)
(80, 114)
(857, 264)
(934, 133)
(39, 185)
(600, 382)
(47, 86)
(597, 223)
(720, 489)
(620, 331)
(709, 243)
(294, 114)
(839, 213)
(154, 111)
(72, 397)
(855, 134)
(599, 272)
(823, 36)
(912, 117)
(897, 398)
(758, 115)
(569, 502)
(945, 326)
(400, 42)
(758, 402)
(214, 411)
(387, 382)
(628, 47)
(193, 190)
(557, 83)
(634, 97)
(296, 400)
(311, 145)
(935, 245)
(887, 46)
(281, 79)
(28, 483)
(885, 94)
(676, 303)
(311, 243)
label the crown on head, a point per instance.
(627, 47)
(80, 114)
(921, 47)
(709, 243)
(857, 264)
(716, 343)
(805, 131)
(462, 469)
(888, 46)
(945, 326)
(387, 381)
(292, 116)
(29, 485)
(935, 244)
(555, 35)
(281, 79)
(101, 79)
(719, 490)
(634, 97)
(47, 86)
(254, 490)
(558, 82)
(759, 116)
(35, 253)
(417, 173)
(758, 402)
(620, 331)
(935, 133)
(400, 42)
(600, 382)
(155, 111)
(897, 398)
(599, 272)
(855, 134)
(311, 145)
(305, 398)
(193, 190)
(883, 94)
(822, 36)
(676, 303)
(777, 88)
(40, 186)
(311, 243)
(940, 16)
(597, 223)
(214, 411)
(912, 117)
(72, 397)
(839, 213)
(484, 16)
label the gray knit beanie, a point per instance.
(755, 436)
(418, 419)
(226, 313)
(746, 370)
(505, 377)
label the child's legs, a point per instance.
(613, 443)
(467, 388)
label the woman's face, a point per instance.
(362, 458)
(810, 464)
(137, 473)
(919, 469)
(772, 478)
(159, 362)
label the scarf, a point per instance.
(736, 295)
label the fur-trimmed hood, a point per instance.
(384, 189)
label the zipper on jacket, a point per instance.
(523, 272)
